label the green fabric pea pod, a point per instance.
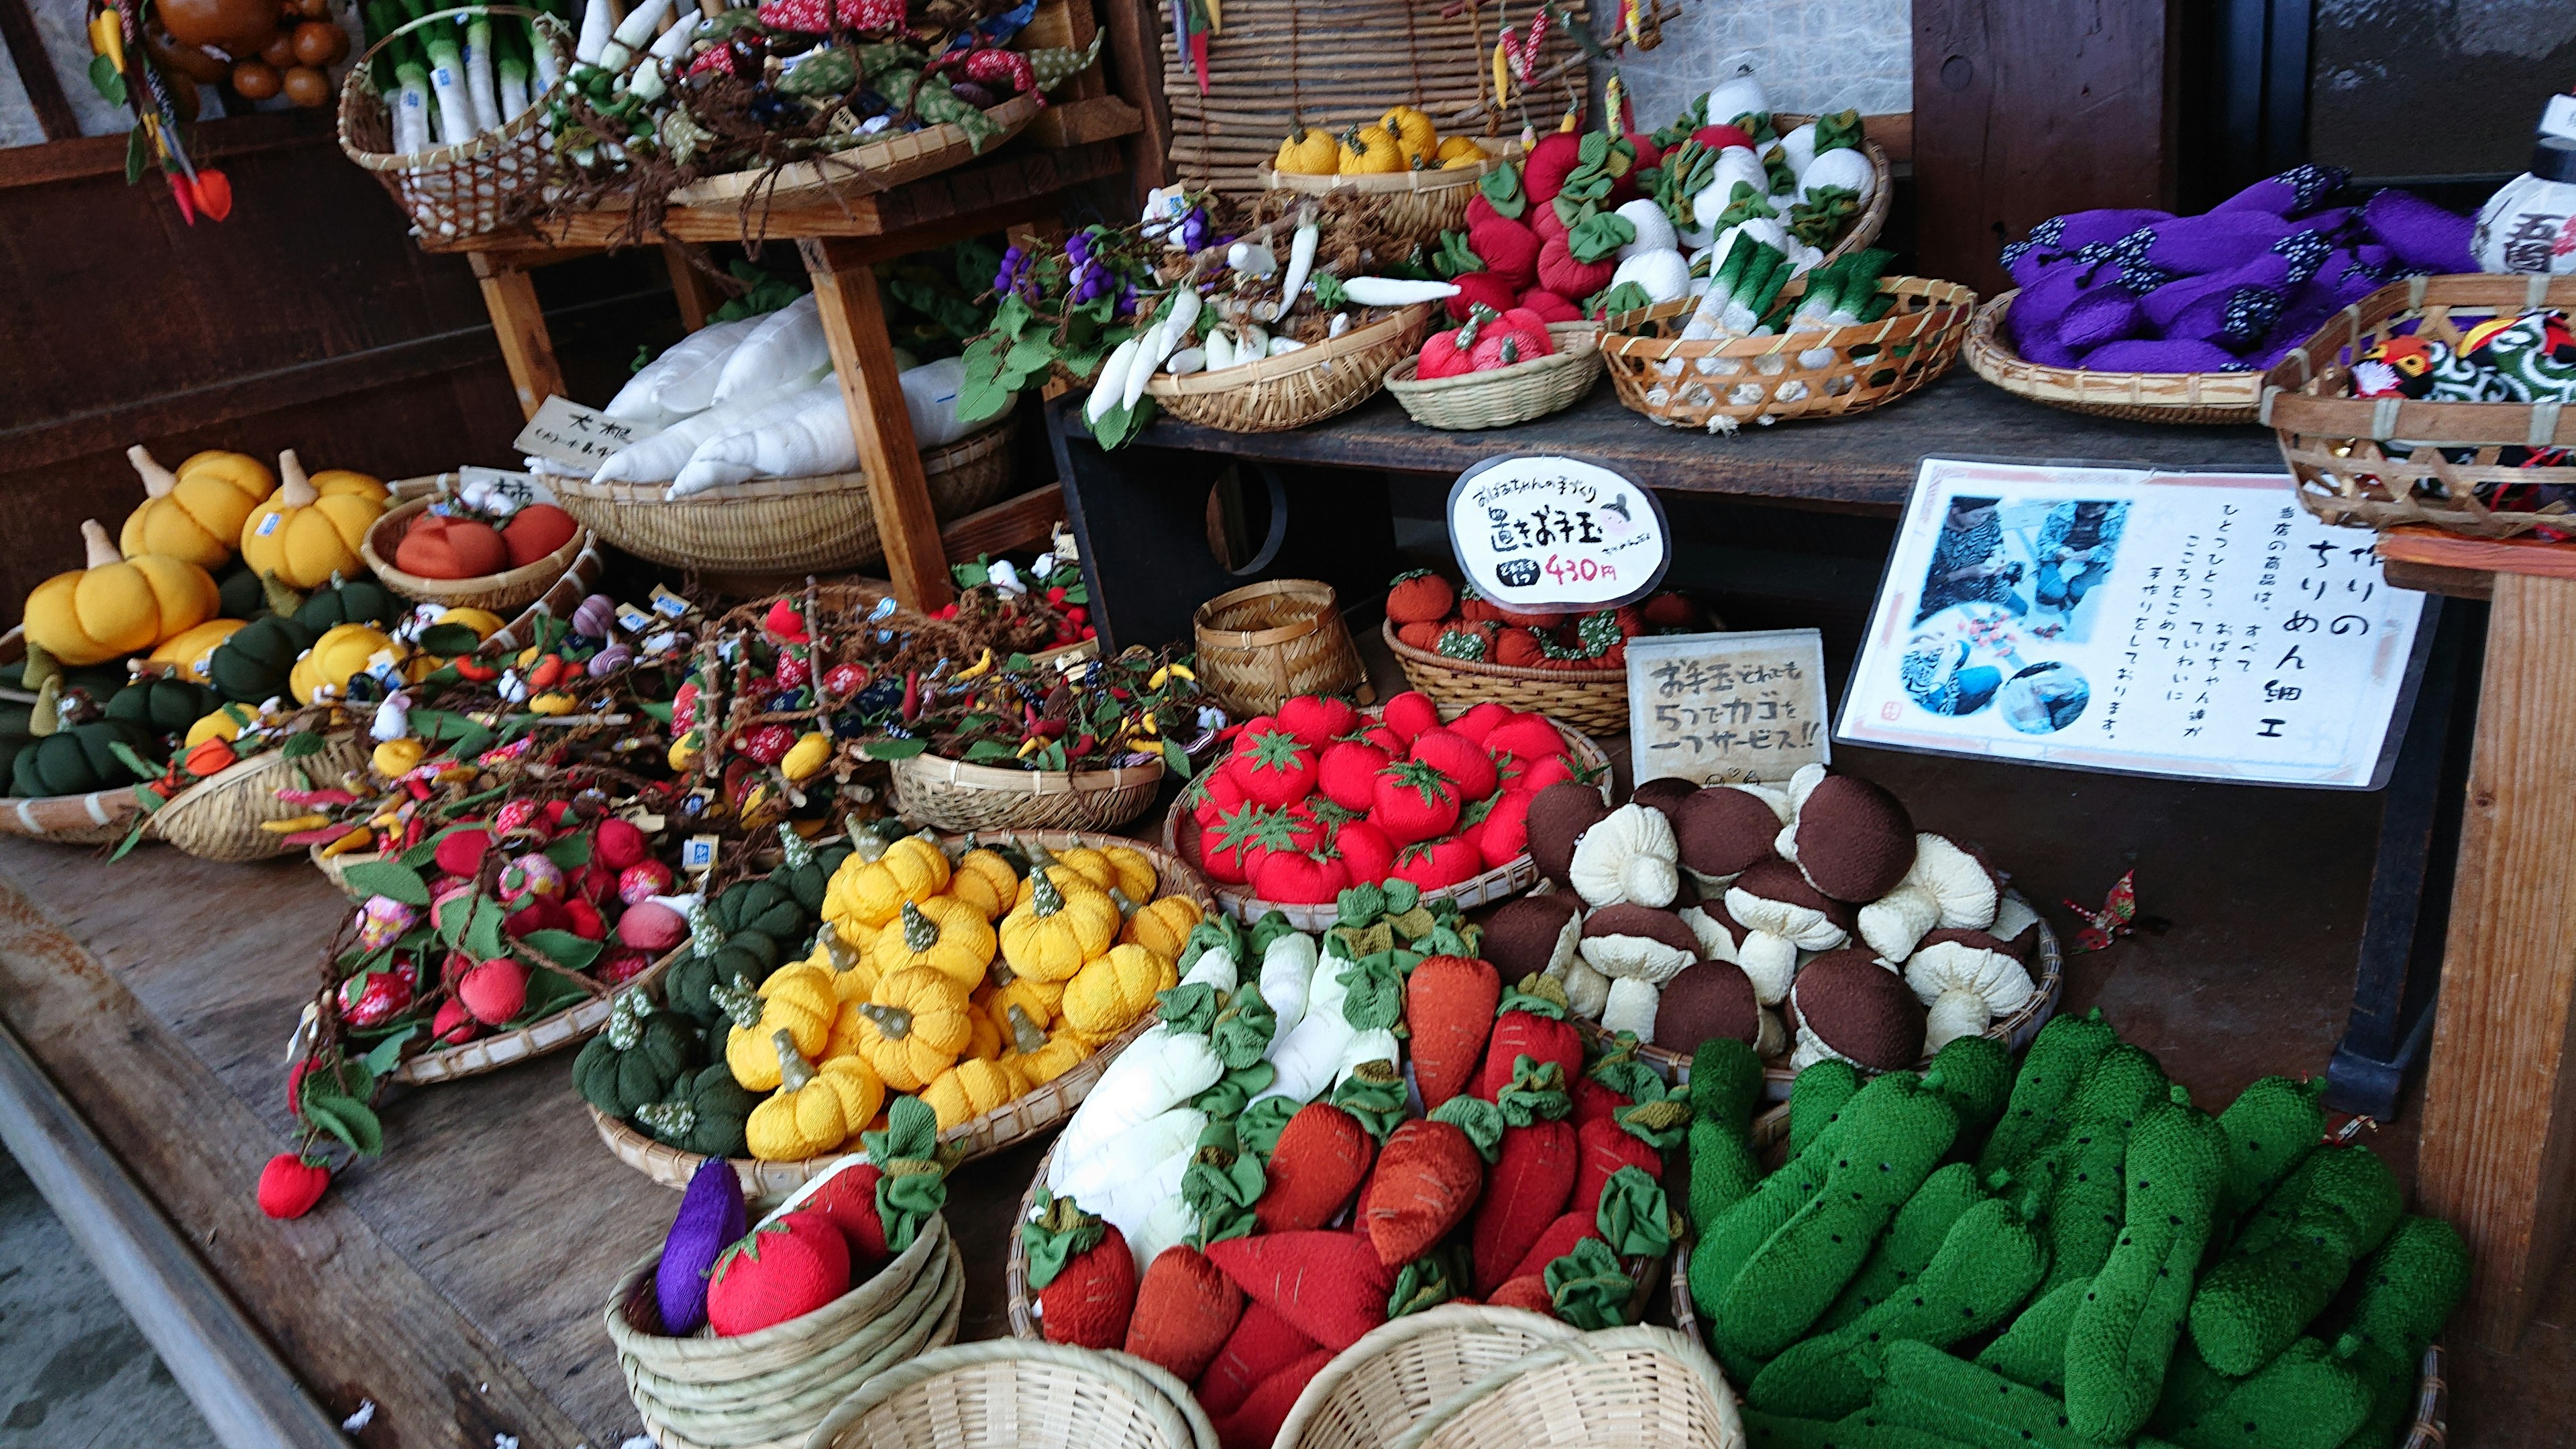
(2051, 1072)
(2085, 1212)
(1589, 1288)
(1635, 1217)
(2305, 1398)
(1059, 1233)
(1976, 1074)
(939, 106)
(1912, 1238)
(1818, 1093)
(1426, 1282)
(1221, 1184)
(2271, 1128)
(1053, 65)
(1261, 1122)
(2251, 1305)
(827, 72)
(1192, 1008)
(1230, 1093)
(1376, 993)
(1374, 1094)
(1244, 1029)
(2032, 1352)
(2124, 1332)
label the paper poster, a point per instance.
(570, 433)
(1549, 534)
(1727, 708)
(2192, 624)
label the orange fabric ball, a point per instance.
(535, 531)
(437, 547)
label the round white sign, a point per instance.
(1548, 533)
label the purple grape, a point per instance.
(1194, 229)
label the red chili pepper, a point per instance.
(1081, 747)
(323, 836)
(1052, 729)
(911, 695)
(419, 788)
(317, 797)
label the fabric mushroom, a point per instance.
(1628, 856)
(1715, 999)
(1720, 934)
(1852, 1008)
(1965, 980)
(1638, 949)
(1725, 829)
(1782, 915)
(1534, 935)
(1851, 839)
(1665, 793)
(1947, 887)
(1558, 817)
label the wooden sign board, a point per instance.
(1727, 708)
(570, 433)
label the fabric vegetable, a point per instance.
(1256, 1422)
(641, 1055)
(1112, 991)
(1263, 1343)
(2051, 1071)
(1080, 1269)
(1320, 1160)
(1056, 932)
(786, 1268)
(2084, 1212)
(912, 1026)
(1330, 1285)
(1449, 1006)
(2404, 1293)
(1725, 1086)
(2271, 1127)
(706, 1114)
(1186, 1308)
(2124, 1332)
(2033, 1350)
(1530, 1022)
(1533, 1173)
(1931, 1392)
(1913, 1237)
(945, 932)
(1428, 1178)
(116, 606)
(2255, 1300)
(711, 1217)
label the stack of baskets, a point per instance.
(1017, 1393)
(770, 1389)
(1593, 700)
(1501, 396)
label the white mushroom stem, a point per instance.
(1716, 943)
(1770, 962)
(1630, 1007)
(1587, 991)
(1896, 922)
(1965, 987)
(1811, 1049)
(1638, 958)
(1770, 1037)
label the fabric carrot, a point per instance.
(1330, 1285)
(849, 1199)
(1528, 1292)
(1322, 1157)
(1186, 1308)
(1427, 1179)
(1261, 1345)
(1083, 1273)
(1559, 1239)
(1530, 1022)
(1255, 1423)
(1449, 1007)
(1634, 1137)
(1533, 1173)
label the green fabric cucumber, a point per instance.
(1929, 1390)
(1725, 1087)
(2051, 1072)
(1976, 1075)
(2085, 1212)
(1780, 1431)
(1726, 1244)
(2303, 1399)
(2192, 1388)
(2032, 1352)
(1911, 1240)
(1815, 1097)
(2271, 1127)
(2251, 1305)
(1990, 1260)
(2398, 1301)
(2124, 1331)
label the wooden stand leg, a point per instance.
(510, 295)
(696, 295)
(863, 357)
(2499, 1098)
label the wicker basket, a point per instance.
(218, 818)
(569, 1027)
(769, 1389)
(504, 593)
(781, 525)
(1181, 838)
(2138, 397)
(100, 817)
(953, 795)
(1294, 389)
(2346, 451)
(862, 170)
(1266, 642)
(1501, 396)
(1667, 378)
(1647, 1388)
(471, 187)
(1592, 700)
(558, 601)
(1418, 205)
(1382, 1385)
(1017, 1394)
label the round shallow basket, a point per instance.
(1181, 838)
(468, 188)
(218, 818)
(1382, 1385)
(1648, 1388)
(1501, 396)
(1266, 642)
(100, 817)
(1723, 383)
(861, 170)
(769, 1389)
(1418, 205)
(504, 593)
(781, 525)
(1019, 1394)
(2388, 462)
(1592, 700)
(954, 795)
(2138, 397)
(1305, 386)
(569, 1027)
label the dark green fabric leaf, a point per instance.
(1059, 1233)
(1588, 1287)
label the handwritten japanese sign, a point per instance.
(1727, 708)
(2193, 624)
(1547, 533)
(570, 433)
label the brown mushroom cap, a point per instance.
(1724, 831)
(1629, 919)
(1855, 840)
(1777, 880)
(1558, 816)
(1521, 935)
(1860, 1009)
(2021, 949)
(1685, 892)
(1707, 1000)
(1665, 793)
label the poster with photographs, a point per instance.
(2193, 624)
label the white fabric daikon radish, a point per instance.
(930, 394)
(809, 442)
(658, 394)
(659, 458)
(788, 342)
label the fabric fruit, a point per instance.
(785, 1269)
(1449, 1006)
(1091, 1300)
(1529, 1022)
(1414, 801)
(1329, 1285)
(1419, 597)
(711, 1218)
(1256, 1422)
(289, 1186)
(1533, 1172)
(1321, 1158)
(1263, 1343)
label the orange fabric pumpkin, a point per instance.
(535, 531)
(438, 547)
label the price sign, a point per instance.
(570, 433)
(518, 489)
(1727, 709)
(1552, 534)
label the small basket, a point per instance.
(468, 188)
(504, 593)
(218, 818)
(956, 796)
(100, 817)
(2137, 397)
(1019, 1394)
(571, 1026)
(839, 176)
(1592, 700)
(2378, 462)
(1296, 388)
(1665, 377)
(781, 525)
(1648, 1388)
(1181, 838)
(1266, 642)
(1501, 396)
(1382, 1385)
(1418, 205)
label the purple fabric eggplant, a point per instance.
(2197, 246)
(2103, 314)
(2042, 305)
(2062, 235)
(2298, 189)
(2342, 281)
(712, 1218)
(2145, 354)
(2425, 237)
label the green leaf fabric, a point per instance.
(1426, 1282)
(1060, 1233)
(1376, 992)
(1192, 1008)
(1589, 1288)
(1243, 1030)
(1373, 1093)
(1222, 1183)
(1227, 1096)
(1260, 1124)
(1481, 1120)
(1635, 1218)
(1536, 1094)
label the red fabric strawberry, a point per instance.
(1346, 773)
(1255, 1423)
(1508, 248)
(1278, 768)
(1425, 637)
(1298, 877)
(1504, 836)
(1318, 719)
(849, 1199)
(769, 743)
(1439, 864)
(1571, 1227)
(1330, 1285)
(1479, 289)
(1322, 1157)
(1549, 306)
(1544, 170)
(1533, 1174)
(1525, 737)
(1262, 1344)
(817, 17)
(786, 1269)
(1480, 719)
(289, 1186)
(1368, 857)
(1409, 714)
(1549, 226)
(1560, 273)
(1186, 1308)
(1669, 610)
(1462, 760)
(616, 843)
(1091, 1302)
(1449, 1010)
(1530, 1023)
(1418, 597)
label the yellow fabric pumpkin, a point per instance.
(304, 533)
(986, 1040)
(197, 517)
(341, 654)
(1162, 925)
(1053, 1055)
(117, 606)
(914, 1026)
(186, 652)
(1459, 152)
(852, 968)
(871, 886)
(970, 1089)
(1412, 130)
(482, 621)
(1052, 934)
(803, 1118)
(1370, 151)
(942, 931)
(1042, 1000)
(797, 999)
(862, 1094)
(984, 880)
(247, 474)
(1308, 151)
(1116, 989)
(1119, 868)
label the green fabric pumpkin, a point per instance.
(253, 663)
(639, 1058)
(76, 761)
(162, 706)
(358, 601)
(704, 1116)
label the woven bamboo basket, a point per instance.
(558, 601)
(1592, 700)
(1694, 384)
(100, 817)
(468, 188)
(1417, 205)
(1266, 642)
(218, 818)
(781, 525)
(954, 795)
(1649, 1388)
(769, 1389)
(1181, 838)
(1289, 391)
(504, 593)
(1380, 1386)
(1499, 397)
(2387, 462)
(1018, 1394)
(862, 170)
(2138, 397)
(571, 1026)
